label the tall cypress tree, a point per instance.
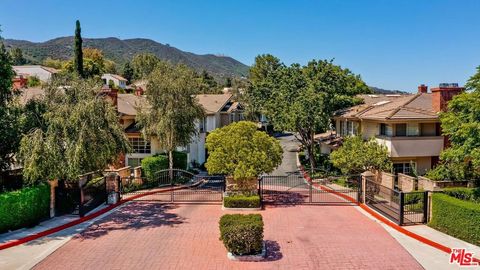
(78, 57)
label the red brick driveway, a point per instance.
(149, 235)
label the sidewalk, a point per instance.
(427, 256)
(27, 255)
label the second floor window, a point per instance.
(140, 146)
(203, 125)
(385, 130)
(401, 130)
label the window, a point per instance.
(342, 128)
(413, 129)
(203, 125)
(139, 145)
(240, 117)
(134, 162)
(401, 130)
(405, 168)
(349, 128)
(232, 118)
(428, 129)
(385, 130)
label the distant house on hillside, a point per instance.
(41, 72)
(408, 125)
(117, 80)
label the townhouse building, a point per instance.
(408, 125)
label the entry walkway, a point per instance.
(151, 235)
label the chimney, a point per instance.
(422, 88)
(443, 94)
(138, 91)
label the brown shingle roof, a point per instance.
(397, 107)
(212, 103)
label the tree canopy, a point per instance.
(17, 57)
(173, 108)
(461, 124)
(79, 133)
(143, 65)
(240, 150)
(77, 50)
(356, 156)
(9, 112)
(302, 99)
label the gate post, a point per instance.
(365, 175)
(402, 204)
(425, 206)
(310, 193)
(112, 182)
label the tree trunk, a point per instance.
(170, 165)
(311, 155)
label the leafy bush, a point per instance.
(462, 193)
(455, 217)
(153, 164)
(242, 201)
(242, 234)
(180, 160)
(25, 207)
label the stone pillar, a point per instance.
(429, 217)
(53, 185)
(113, 188)
(367, 175)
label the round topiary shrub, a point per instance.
(242, 234)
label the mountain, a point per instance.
(121, 51)
(377, 90)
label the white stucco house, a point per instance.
(117, 80)
(41, 72)
(220, 110)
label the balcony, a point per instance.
(412, 146)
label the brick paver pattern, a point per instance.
(152, 235)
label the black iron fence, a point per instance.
(187, 187)
(295, 189)
(404, 208)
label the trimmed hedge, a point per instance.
(460, 219)
(242, 201)
(153, 164)
(24, 208)
(463, 193)
(242, 234)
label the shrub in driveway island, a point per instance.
(243, 153)
(242, 234)
(242, 201)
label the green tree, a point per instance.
(240, 150)
(80, 133)
(461, 124)
(228, 82)
(17, 57)
(356, 156)
(143, 64)
(53, 63)
(33, 81)
(263, 80)
(208, 84)
(172, 107)
(78, 52)
(9, 112)
(303, 99)
(128, 72)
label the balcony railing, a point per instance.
(412, 146)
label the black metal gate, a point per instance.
(403, 208)
(295, 189)
(174, 186)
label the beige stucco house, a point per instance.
(220, 110)
(408, 125)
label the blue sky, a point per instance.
(391, 44)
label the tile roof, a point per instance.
(118, 77)
(392, 107)
(212, 103)
(49, 69)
